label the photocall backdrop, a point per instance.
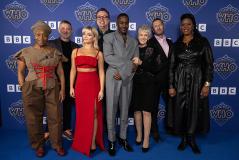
(216, 20)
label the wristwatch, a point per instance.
(207, 84)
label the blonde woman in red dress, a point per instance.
(87, 87)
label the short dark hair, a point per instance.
(192, 18)
(104, 10)
(65, 21)
(122, 15)
(157, 19)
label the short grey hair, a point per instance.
(145, 28)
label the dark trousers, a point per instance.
(67, 109)
(160, 91)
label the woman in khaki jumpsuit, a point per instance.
(40, 89)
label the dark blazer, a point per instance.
(160, 67)
(56, 43)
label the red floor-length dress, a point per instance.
(86, 97)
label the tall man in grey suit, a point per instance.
(121, 54)
(65, 46)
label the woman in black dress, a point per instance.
(191, 72)
(143, 90)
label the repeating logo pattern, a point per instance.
(194, 5)
(86, 14)
(16, 110)
(123, 5)
(15, 13)
(228, 17)
(161, 112)
(225, 66)
(11, 63)
(52, 5)
(158, 11)
(221, 113)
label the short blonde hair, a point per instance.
(95, 33)
(145, 28)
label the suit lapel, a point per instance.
(170, 47)
(159, 47)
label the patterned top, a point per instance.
(41, 65)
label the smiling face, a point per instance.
(102, 20)
(87, 36)
(123, 24)
(187, 27)
(158, 27)
(65, 31)
(41, 37)
(143, 37)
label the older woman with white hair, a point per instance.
(41, 90)
(143, 97)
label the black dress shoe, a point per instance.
(124, 143)
(111, 149)
(183, 144)
(156, 137)
(145, 149)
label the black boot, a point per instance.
(111, 148)
(183, 143)
(124, 143)
(193, 145)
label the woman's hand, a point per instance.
(100, 96)
(62, 95)
(204, 91)
(172, 92)
(72, 92)
(136, 61)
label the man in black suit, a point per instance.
(65, 46)
(162, 51)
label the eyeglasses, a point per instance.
(102, 17)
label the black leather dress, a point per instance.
(191, 66)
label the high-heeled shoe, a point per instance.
(138, 143)
(92, 151)
(145, 149)
(192, 143)
(183, 144)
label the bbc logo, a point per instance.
(13, 88)
(11, 39)
(78, 40)
(202, 27)
(132, 26)
(130, 121)
(226, 42)
(223, 90)
(53, 24)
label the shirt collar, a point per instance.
(160, 38)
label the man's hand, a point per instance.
(172, 92)
(205, 91)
